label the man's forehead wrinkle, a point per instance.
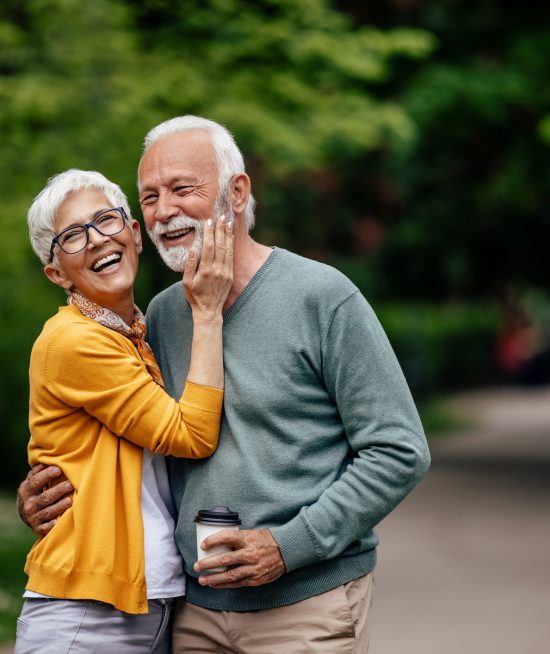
(169, 166)
(186, 157)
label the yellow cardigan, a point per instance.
(93, 407)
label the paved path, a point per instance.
(464, 563)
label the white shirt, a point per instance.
(163, 564)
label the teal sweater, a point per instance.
(320, 437)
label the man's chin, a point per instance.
(174, 258)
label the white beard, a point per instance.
(176, 256)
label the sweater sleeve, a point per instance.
(383, 430)
(98, 371)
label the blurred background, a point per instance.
(405, 142)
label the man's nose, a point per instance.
(165, 209)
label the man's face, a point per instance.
(178, 191)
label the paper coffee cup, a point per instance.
(211, 521)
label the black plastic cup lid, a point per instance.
(219, 515)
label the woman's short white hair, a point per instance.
(41, 215)
(229, 157)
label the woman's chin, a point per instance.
(106, 291)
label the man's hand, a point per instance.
(256, 559)
(39, 508)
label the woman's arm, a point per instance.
(97, 370)
(206, 287)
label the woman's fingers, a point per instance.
(219, 237)
(190, 269)
(208, 245)
(229, 244)
(207, 282)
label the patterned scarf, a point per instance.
(135, 332)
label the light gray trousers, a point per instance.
(57, 626)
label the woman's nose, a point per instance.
(95, 237)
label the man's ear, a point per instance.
(240, 192)
(57, 276)
(136, 233)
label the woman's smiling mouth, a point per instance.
(107, 263)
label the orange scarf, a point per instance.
(135, 332)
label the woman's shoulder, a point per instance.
(69, 330)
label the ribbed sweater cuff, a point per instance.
(204, 398)
(297, 544)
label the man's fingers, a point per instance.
(30, 497)
(35, 469)
(234, 539)
(238, 575)
(41, 476)
(225, 559)
(54, 494)
(255, 559)
(45, 528)
(48, 514)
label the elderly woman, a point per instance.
(104, 578)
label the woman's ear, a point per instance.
(136, 233)
(240, 191)
(57, 276)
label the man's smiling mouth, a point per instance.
(177, 233)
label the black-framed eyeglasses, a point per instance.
(76, 238)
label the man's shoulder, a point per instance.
(315, 276)
(169, 300)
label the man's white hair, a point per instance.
(229, 157)
(41, 215)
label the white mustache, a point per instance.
(177, 222)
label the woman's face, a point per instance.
(105, 270)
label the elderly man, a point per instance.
(320, 438)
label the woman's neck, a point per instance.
(123, 307)
(125, 311)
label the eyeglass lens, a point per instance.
(75, 239)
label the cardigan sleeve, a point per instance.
(96, 369)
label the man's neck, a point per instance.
(249, 257)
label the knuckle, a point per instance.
(232, 575)
(46, 514)
(35, 482)
(46, 497)
(29, 508)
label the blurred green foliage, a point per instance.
(405, 142)
(81, 83)
(469, 214)
(442, 348)
(15, 542)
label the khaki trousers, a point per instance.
(335, 622)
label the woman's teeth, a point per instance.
(106, 261)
